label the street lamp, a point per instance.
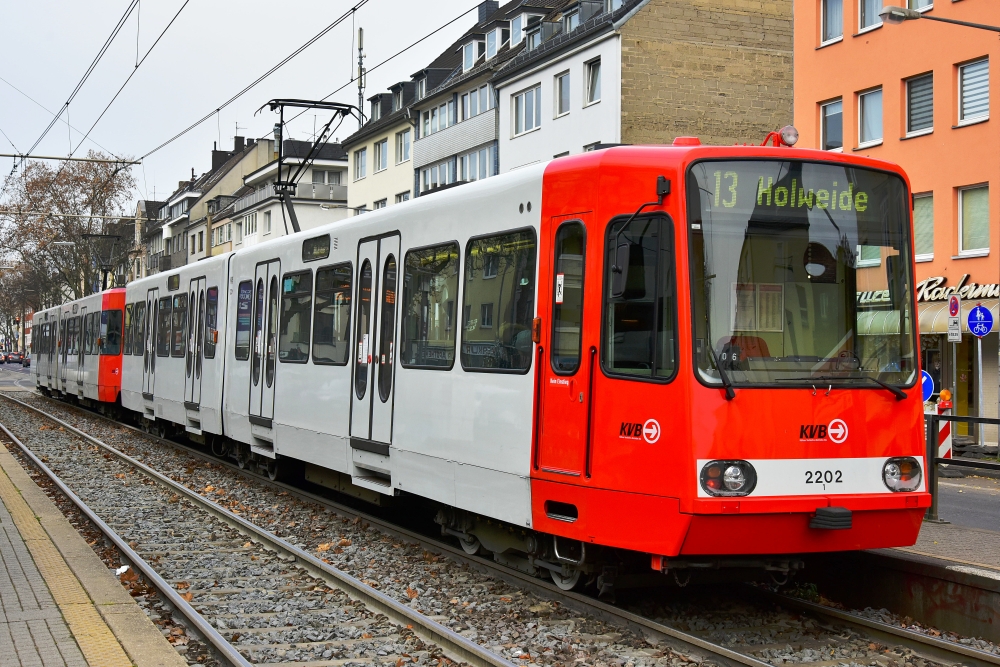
(64, 243)
(896, 15)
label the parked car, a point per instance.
(5, 356)
(14, 357)
(26, 361)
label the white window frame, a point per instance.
(557, 94)
(926, 8)
(518, 32)
(925, 257)
(267, 222)
(822, 139)
(404, 146)
(381, 154)
(822, 25)
(360, 163)
(468, 56)
(873, 26)
(587, 72)
(864, 263)
(906, 116)
(421, 88)
(496, 36)
(975, 252)
(568, 18)
(403, 196)
(974, 119)
(381, 203)
(861, 119)
(536, 89)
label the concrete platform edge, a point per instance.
(141, 640)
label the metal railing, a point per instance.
(933, 423)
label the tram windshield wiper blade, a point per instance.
(893, 389)
(723, 375)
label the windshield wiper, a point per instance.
(893, 389)
(726, 382)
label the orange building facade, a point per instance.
(919, 94)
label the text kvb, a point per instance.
(812, 432)
(630, 430)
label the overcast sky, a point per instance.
(212, 51)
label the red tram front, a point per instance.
(706, 380)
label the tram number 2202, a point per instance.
(824, 477)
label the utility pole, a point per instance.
(361, 77)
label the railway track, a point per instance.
(752, 627)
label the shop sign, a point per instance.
(933, 289)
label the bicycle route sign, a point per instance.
(980, 321)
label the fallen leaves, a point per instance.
(411, 593)
(323, 547)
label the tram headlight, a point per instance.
(789, 135)
(728, 478)
(902, 473)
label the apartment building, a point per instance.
(918, 94)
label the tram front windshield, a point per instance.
(801, 274)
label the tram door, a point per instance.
(566, 367)
(263, 363)
(196, 344)
(63, 353)
(375, 340)
(84, 339)
(148, 341)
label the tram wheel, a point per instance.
(219, 448)
(566, 582)
(242, 457)
(470, 544)
(272, 469)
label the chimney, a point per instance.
(192, 174)
(487, 8)
(238, 144)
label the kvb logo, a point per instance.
(835, 432)
(648, 431)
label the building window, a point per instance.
(591, 147)
(491, 43)
(402, 146)
(920, 4)
(486, 316)
(868, 14)
(593, 72)
(869, 255)
(920, 105)
(870, 118)
(833, 20)
(381, 203)
(201, 241)
(974, 220)
(333, 178)
(267, 222)
(974, 91)
(562, 93)
(192, 244)
(571, 21)
(421, 88)
(613, 5)
(516, 30)
(360, 157)
(832, 126)
(397, 100)
(381, 155)
(376, 108)
(468, 56)
(923, 226)
(527, 110)
(534, 38)
(403, 196)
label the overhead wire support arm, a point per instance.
(285, 189)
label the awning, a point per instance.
(933, 318)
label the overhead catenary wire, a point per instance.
(259, 79)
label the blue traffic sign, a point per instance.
(980, 321)
(926, 385)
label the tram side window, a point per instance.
(296, 309)
(332, 315)
(500, 279)
(111, 332)
(88, 333)
(163, 327)
(138, 327)
(430, 290)
(211, 321)
(567, 313)
(640, 337)
(244, 306)
(178, 327)
(95, 328)
(127, 342)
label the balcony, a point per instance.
(463, 136)
(320, 191)
(153, 263)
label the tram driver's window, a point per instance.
(296, 311)
(430, 291)
(567, 298)
(332, 315)
(640, 339)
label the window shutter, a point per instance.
(920, 103)
(976, 90)
(975, 219)
(923, 225)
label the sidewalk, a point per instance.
(60, 605)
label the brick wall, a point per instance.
(717, 69)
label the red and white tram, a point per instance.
(562, 373)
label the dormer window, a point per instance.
(421, 88)
(516, 30)
(534, 37)
(571, 21)
(491, 43)
(612, 5)
(376, 109)
(397, 100)
(468, 56)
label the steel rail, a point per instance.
(173, 598)
(929, 646)
(431, 631)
